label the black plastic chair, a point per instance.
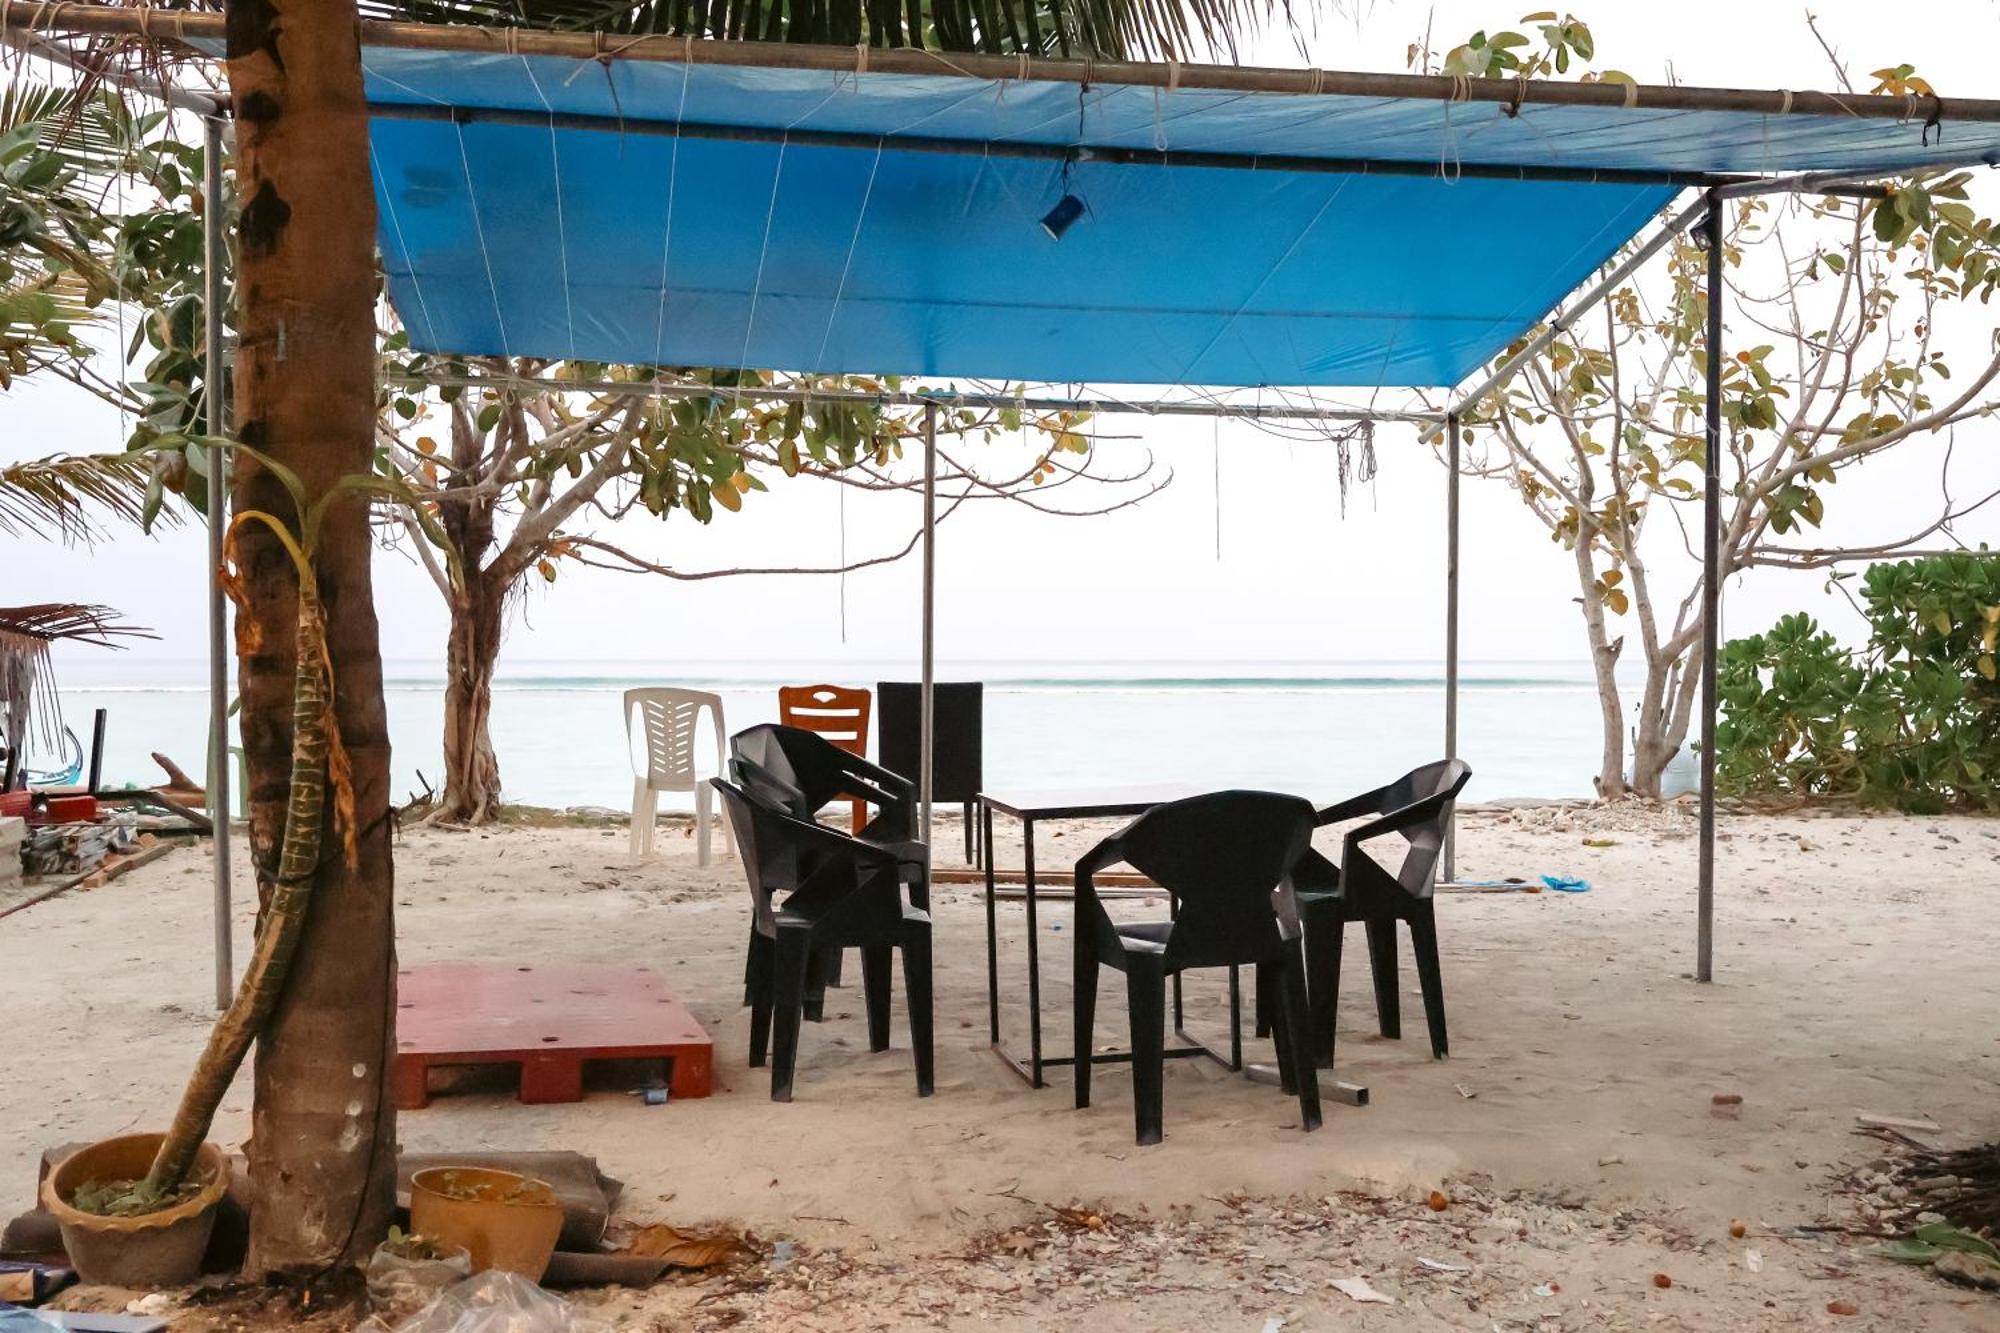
(804, 771)
(958, 743)
(1225, 859)
(799, 772)
(1418, 806)
(852, 896)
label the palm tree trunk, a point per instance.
(321, 1154)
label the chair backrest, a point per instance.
(958, 742)
(666, 721)
(1441, 782)
(786, 767)
(769, 866)
(834, 711)
(1226, 858)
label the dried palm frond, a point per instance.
(27, 690)
(56, 496)
(1101, 29)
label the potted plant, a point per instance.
(503, 1220)
(409, 1269)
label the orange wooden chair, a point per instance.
(836, 712)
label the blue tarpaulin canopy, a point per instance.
(810, 220)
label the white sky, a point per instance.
(1296, 582)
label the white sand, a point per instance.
(1855, 972)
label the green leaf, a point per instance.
(1945, 1236)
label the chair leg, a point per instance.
(1083, 1010)
(876, 966)
(704, 816)
(1146, 1000)
(1424, 944)
(761, 974)
(917, 984)
(971, 825)
(824, 973)
(793, 956)
(1322, 951)
(1293, 1013)
(751, 988)
(643, 811)
(1382, 961)
(1270, 984)
(1261, 1007)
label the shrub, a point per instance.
(1911, 720)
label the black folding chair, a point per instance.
(1418, 806)
(1225, 859)
(852, 896)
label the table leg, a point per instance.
(1034, 956)
(1235, 1018)
(992, 928)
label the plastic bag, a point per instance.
(399, 1287)
(497, 1302)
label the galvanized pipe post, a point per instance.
(1711, 590)
(214, 397)
(926, 739)
(1451, 628)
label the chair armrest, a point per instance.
(1090, 913)
(832, 842)
(874, 783)
(1368, 803)
(1395, 821)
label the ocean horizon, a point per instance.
(1322, 729)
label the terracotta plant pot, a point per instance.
(160, 1249)
(504, 1221)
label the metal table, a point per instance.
(1035, 807)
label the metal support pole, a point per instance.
(1451, 628)
(926, 738)
(214, 395)
(1711, 540)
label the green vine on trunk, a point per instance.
(319, 773)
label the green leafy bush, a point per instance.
(1911, 720)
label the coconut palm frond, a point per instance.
(1102, 29)
(64, 495)
(29, 707)
(87, 128)
(70, 622)
(43, 318)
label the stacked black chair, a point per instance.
(800, 772)
(1418, 808)
(1226, 859)
(850, 895)
(958, 745)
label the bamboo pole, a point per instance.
(1030, 150)
(945, 398)
(207, 31)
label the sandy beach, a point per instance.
(1572, 1135)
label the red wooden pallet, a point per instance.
(548, 1019)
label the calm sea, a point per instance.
(1528, 729)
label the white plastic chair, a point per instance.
(668, 720)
